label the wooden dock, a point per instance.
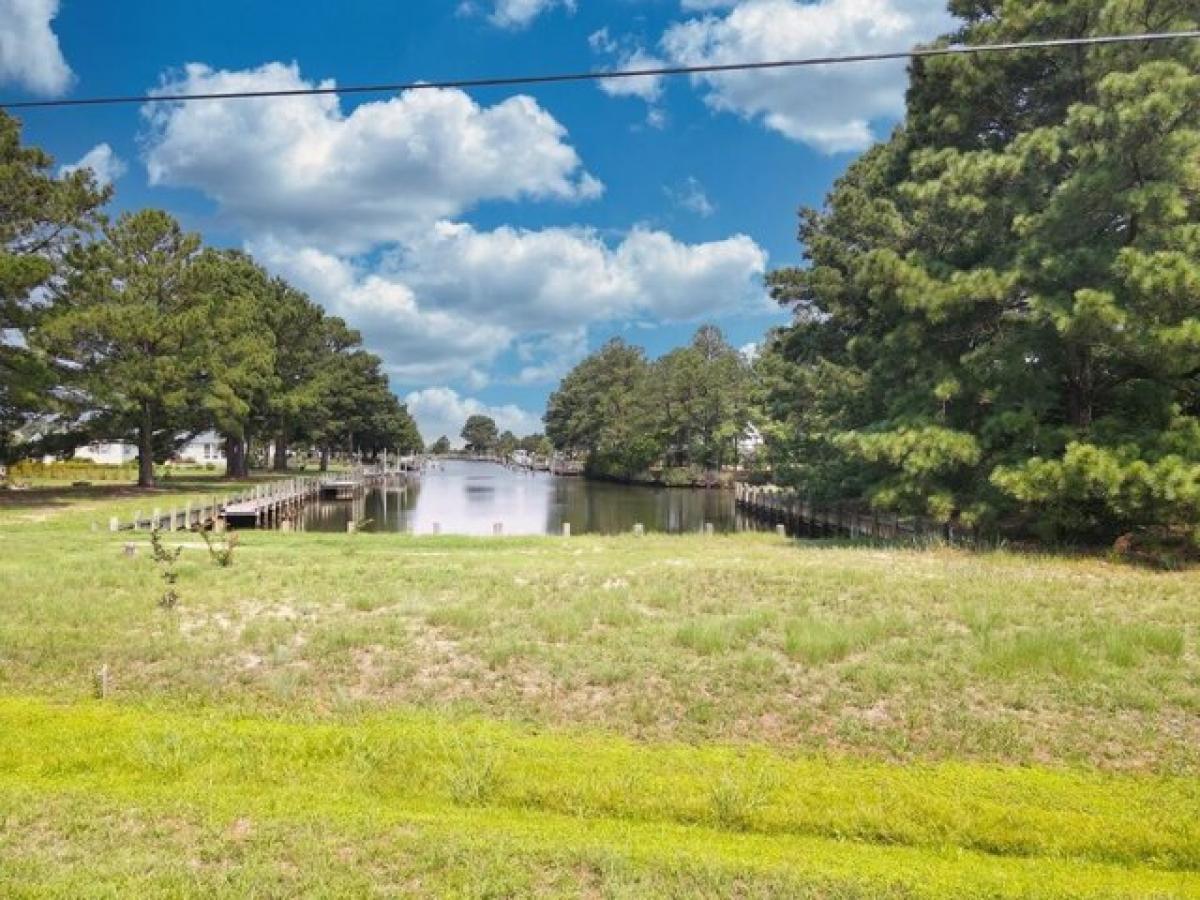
(802, 517)
(267, 505)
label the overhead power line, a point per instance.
(524, 80)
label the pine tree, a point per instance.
(41, 217)
(1000, 315)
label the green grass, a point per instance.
(945, 830)
(729, 716)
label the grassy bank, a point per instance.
(610, 716)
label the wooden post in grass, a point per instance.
(639, 530)
(114, 524)
(187, 516)
(497, 529)
(137, 519)
(156, 519)
(437, 527)
(566, 529)
(351, 527)
(708, 529)
(781, 530)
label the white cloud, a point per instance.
(690, 196)
(628, 56)
(517, 14)
(547, 358)
(556, 278)
(29, 51)
(442, 410)
(106, 166)
(447, 304)
(831, 108)
(418, 343)
(359, 210)
(301, 168)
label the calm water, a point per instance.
(469, 498)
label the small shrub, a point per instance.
(166, 560)
(220, 550)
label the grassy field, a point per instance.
(732, 716)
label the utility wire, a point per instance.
(520, 80)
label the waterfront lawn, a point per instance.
(746, 716)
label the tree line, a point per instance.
(627, 415)
(482, 436)
(129, 329)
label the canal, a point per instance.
(458, 497)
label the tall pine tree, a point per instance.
(1001, 315)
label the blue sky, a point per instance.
(482, 242)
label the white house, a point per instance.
(203, 448)
(108, 453)
(750, 443)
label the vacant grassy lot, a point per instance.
(741, 716)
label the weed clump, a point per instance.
(220, 550)
(166, 559)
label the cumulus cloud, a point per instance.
(300, 167)
(448, 302)
(831, 108)
(106, 166)
(554, 278)
(628, 55)
(29, 51)
(442, 410)
(419, 343)
(360, 210)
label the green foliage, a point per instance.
(999, 316)
(129, 320)
(441, 446)
(166, 558)
(41, 218)
(481, 434)
(626, 414)
(220, 548)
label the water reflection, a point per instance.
(471, 498)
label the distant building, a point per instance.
(109, 453)
(749, 443)
(206, 448)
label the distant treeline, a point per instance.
(130, 329)
(628, 415)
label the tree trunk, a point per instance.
(146, 450)
(281, 452)
(236, 457)
(324, 459)
(1080, 389)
